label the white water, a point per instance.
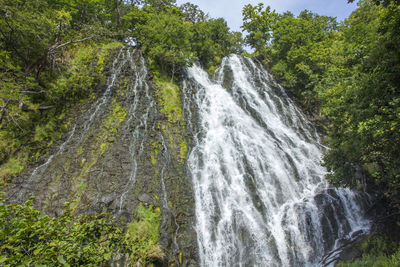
(261, 197)
(139, 92)
(90, 115)
(118, 63)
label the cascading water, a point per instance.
(261, 197)
(128, 77)
(90, 115)
(140, 93)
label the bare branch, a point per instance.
(3, 110)
(53, 48)
(46, 107)
(15, 121)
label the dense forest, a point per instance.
(346, 75)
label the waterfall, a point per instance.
(261, 198)
(139, 91)
(90, 116)
(127, 84)
(260, 192)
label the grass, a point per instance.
(143, 235)
(169, 98)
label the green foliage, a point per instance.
(258, 23)
(375, 260)
(362, 98)
(165, 38)
(48, 61)
(212, 40)
(143, 235)
(173, 38)
(347, 73)
(29, 238)
(376, 252)
(39, 125)
(169, 98)
(11, 168)
(84, 71)
(296, 49)
(193, 13)
(160, 5)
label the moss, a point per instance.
(83, 71)
(169, 99)
(100, 144)
(154, 156)
(77, 188)
(79, 152)
(83, 186)
(16, 154)
(143, 236)
(183, 150)
(86, 64)
(180, 257)
(116, 117)
(103, 148)
(12, 168)
(211, 70)
(112, 45)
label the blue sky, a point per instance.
(231, 10)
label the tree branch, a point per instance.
(3, 110)
(46, 107)
(54, 47)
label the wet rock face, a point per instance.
(115, 157)
(261, 196)
(134, 146)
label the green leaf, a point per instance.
(61, 260)
(3, 258)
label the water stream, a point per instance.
(90, 115)
(137, 122)
(261, 197)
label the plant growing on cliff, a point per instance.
(142, 236)
(29, 238)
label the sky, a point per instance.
(231, 10)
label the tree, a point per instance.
(296, 49)
(160, 5)
(258, 22)
(165, 38)
(193, 13)
(364, 100)
(350, 74)
(212, 40)
(378, 2)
